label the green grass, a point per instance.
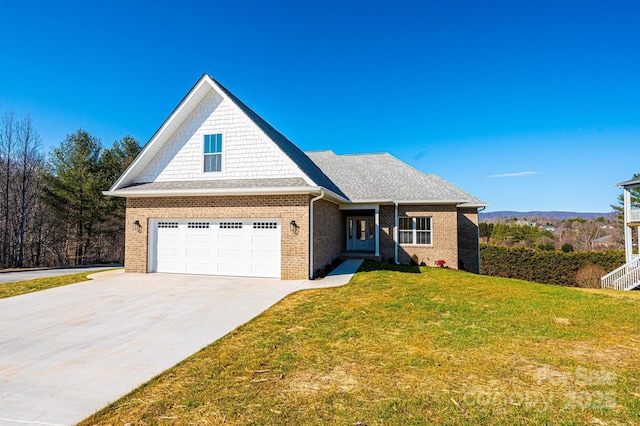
(23, 287)
(400, 348)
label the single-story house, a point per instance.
(605, 243)
(217, 190)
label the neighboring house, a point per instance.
(604, 243)
(627, 277)
(219, 191)
(526, 223)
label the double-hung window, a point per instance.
(213, 153)
(414, 230)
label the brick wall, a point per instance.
(468, 240)
(444, 234)
(295, 246)
(329, 233)
(387, 231)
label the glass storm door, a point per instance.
(360, 233)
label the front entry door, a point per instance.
(360, 233)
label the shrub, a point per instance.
(567, 248)
(589, 276)
(414, 260)
(547, 267)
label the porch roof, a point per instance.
(632, 182)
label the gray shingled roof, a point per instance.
(219, 184)
(382, 177)
(631, 182)
(292, 151)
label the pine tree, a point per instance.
(73, 190)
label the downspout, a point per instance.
(313, 200)
(481, 209)
(395, 234)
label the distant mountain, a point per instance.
(547, 215)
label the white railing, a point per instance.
(634, 215)
(626, 277)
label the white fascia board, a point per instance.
(160, 132)
(220, 192)
(359, 206)
(473, 205)
(438, 202)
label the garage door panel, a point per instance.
(171, 267)
(197, 267)
(263, 255)
(199, 239)
(263, 271)
(234, 269)
(238, 247)
(265, 240)
(198, 253)
(230, 240)
(230, 255)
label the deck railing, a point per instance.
(626, 277)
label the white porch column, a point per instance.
(377, 229)
(628, 232)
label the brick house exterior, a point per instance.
(249, 199)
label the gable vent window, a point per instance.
(198, 225)
(167, 224)
(213, 153)
(230, 225)
(265, 225)
(415, 230)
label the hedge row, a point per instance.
(547, 267)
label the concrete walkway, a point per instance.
(69, 351)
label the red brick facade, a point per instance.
(295, 245)
(454, 231)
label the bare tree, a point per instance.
(29, 145)
(7, 142)
(585, 233)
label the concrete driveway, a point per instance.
(69, 351)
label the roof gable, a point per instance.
(251, 147)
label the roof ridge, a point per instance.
(291, 150)
(365, 153)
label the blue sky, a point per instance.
(527, 105)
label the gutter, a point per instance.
(482, 208)
(313, 200)
(203, 192)
(396, 234)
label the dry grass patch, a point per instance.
(391, 347)
(23, 287)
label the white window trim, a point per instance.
(414, 231)
(222, 154)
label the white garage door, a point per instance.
(237, 247)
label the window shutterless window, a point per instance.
(414, 230)
(213, 153)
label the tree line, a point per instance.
(53, 212)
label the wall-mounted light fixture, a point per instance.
(293, 226)
(137, 225)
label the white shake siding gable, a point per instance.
(246, 152)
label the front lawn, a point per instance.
(29, 286)
(433, 346)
